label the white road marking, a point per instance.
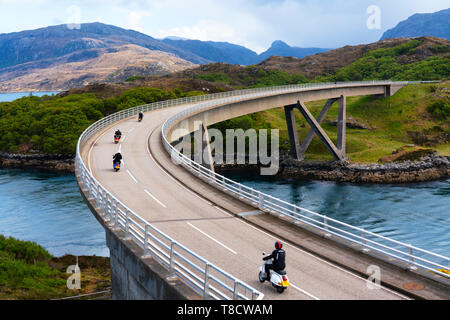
(269, 235)
(132, 177)
(173, 179)
(207, 235)
(154, 198)
(304, 292)
(120, 148)
(320, 259)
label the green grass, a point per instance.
(28, 271)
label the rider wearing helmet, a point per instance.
(117, 157)
(279, 259)
(118, 133)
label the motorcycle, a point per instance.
(116, 165)
(278, 279)
(116, 138)
(140, 118)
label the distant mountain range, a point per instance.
(58, 57)
(428, 24)
(56, 41)
(235, 54)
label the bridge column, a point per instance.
(202, 147)
(312, 133)
(292, 130)
(337, 154)
(342, 125)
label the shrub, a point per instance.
(439, 109)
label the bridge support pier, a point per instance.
(202, 147)
(297, 150)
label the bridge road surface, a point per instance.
(218, 236)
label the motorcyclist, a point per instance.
(141, 115)
(117, 157)
(118, 133)
(279, 260)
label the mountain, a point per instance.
(224, 52)
(57, 41)
(402, 51)
(59, 57)
(215, 51)
(280, 48)
(428, 24)
(404, 59)
(89, 66)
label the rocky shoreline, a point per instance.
(50, 162)
(429, 168)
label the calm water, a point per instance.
(418, 214)
(47, 208)
(7, 97)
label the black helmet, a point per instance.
(278, 245)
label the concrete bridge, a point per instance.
(193, 234)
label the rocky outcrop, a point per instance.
(52, 162)
(429, 168)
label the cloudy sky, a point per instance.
(251, 23)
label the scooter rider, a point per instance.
(117, 157)
(279, 260)
(141, 115)
(118, 133)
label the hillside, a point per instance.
(328, 63)
(413, 122)
(424, 58)
(112, 64)
(426, 24)
(57, 41)
(30, 272)
(58, 58)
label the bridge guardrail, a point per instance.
(412, 256)
(200, 275)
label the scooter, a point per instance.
(116, 138)
(278, 279)
(116, 165)
(139, 118)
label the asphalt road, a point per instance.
(217, 235)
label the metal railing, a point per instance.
(202, 276)
(411, 256)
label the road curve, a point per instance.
(146, 186)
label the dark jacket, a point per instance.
(279, 259)
(117, 157)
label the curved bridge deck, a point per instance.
(220, 228)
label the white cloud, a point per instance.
(252, 23)
(134, 19)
